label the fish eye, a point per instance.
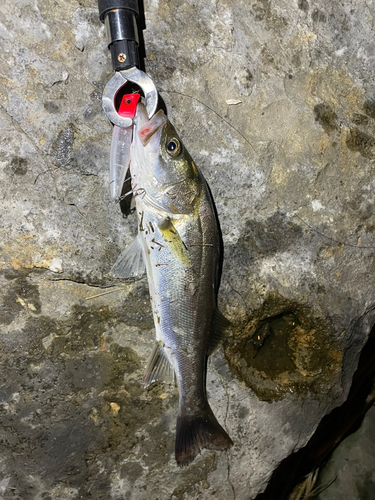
(174, 147)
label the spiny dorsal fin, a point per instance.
(158, 367)
(219, 324)
(130, 262)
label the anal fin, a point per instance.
(130, 262)
(158, 368)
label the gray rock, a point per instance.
(290, 168)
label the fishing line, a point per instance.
(357, 247)
(211, 109)
(136, 192)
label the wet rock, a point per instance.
(291, 171)
(18, 166)
(361, 142)
(326, 116)
(285, 350)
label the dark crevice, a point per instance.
(332, 430)
(93, 284)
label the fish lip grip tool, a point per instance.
(122, 20)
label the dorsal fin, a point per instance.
(219, 324)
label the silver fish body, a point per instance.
(179, 242)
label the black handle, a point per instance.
(122, 19)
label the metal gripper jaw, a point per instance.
(119, 79)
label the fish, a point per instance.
(179, 245)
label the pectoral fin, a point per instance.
(219, 324)
(130, 262)
(173, 241)
(158, 368)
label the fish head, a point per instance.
(164, 167)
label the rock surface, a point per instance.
(291, 171)
(350, 471)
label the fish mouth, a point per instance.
(152, 126)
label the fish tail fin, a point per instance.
(195, 432)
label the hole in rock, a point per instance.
(284, 348)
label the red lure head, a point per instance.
(128, 105)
